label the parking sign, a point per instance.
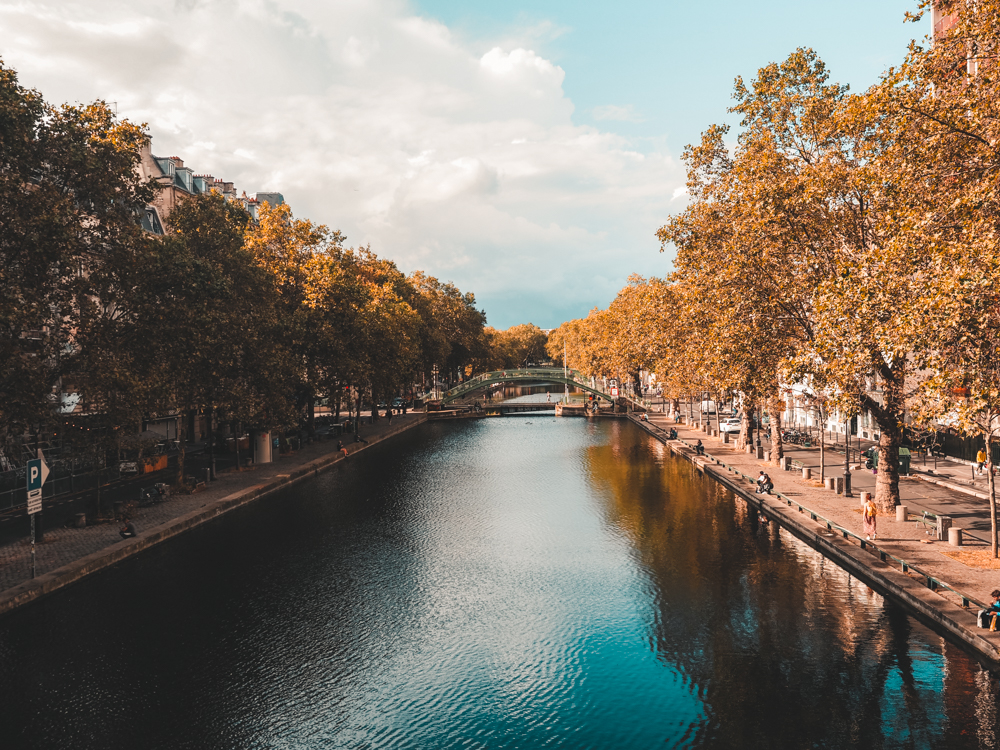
(38, 472)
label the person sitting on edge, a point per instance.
(699, 448)
(673, 434)
(764, 483)
(341, 448)
(128, 530)
(988, 617)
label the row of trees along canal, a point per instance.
(250, 322)
(846, 243)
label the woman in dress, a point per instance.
(869, 514)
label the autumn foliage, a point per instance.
(844, 245)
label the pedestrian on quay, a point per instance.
(764, 483)
(987, 618)
(980, 461)
(869, 516)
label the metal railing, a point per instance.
(932, 582)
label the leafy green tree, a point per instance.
(70, 196)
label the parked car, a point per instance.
(732, 424)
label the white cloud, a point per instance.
(464, 162)
(614, 112)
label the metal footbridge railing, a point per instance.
(528, 375)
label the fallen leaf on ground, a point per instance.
(974, 558)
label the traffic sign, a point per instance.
(614, 392)
(38, 472)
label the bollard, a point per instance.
(749, 449)
(944, 524)
(785, 463)
(807, 473)
(838, 485)
(725, 438)
(767, 456)
(955, 536)
(208, 476)
(80, 520)
(760, 452)
(902, 512)
(828, 483)
(865, 497)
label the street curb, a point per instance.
(933, 610)
(950, 486)
(31, 590)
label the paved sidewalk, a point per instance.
(909, 541)
(63, 546)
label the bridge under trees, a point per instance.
(527, 376)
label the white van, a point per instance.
(708, 407)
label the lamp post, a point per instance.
(565, 375)
(847, 458)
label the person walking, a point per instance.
(869, 515)
(980, 461)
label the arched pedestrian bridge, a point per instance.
(523, 376)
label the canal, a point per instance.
(519, 582)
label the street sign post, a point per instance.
(38, 472)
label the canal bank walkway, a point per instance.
(68, 554)
(912, 541)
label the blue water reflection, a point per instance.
(519, 582)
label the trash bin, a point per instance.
(904, 461)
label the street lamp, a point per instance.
(847, 458)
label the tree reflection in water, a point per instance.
(787, 649)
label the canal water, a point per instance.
(519, 582)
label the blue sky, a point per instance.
(673, 63)
(526, 151)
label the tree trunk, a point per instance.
(887, 482)
(889, 417)
(210, 413)
(993, 492)
(777, 449)
(182, 445)
(311, 416)
(744, 438)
